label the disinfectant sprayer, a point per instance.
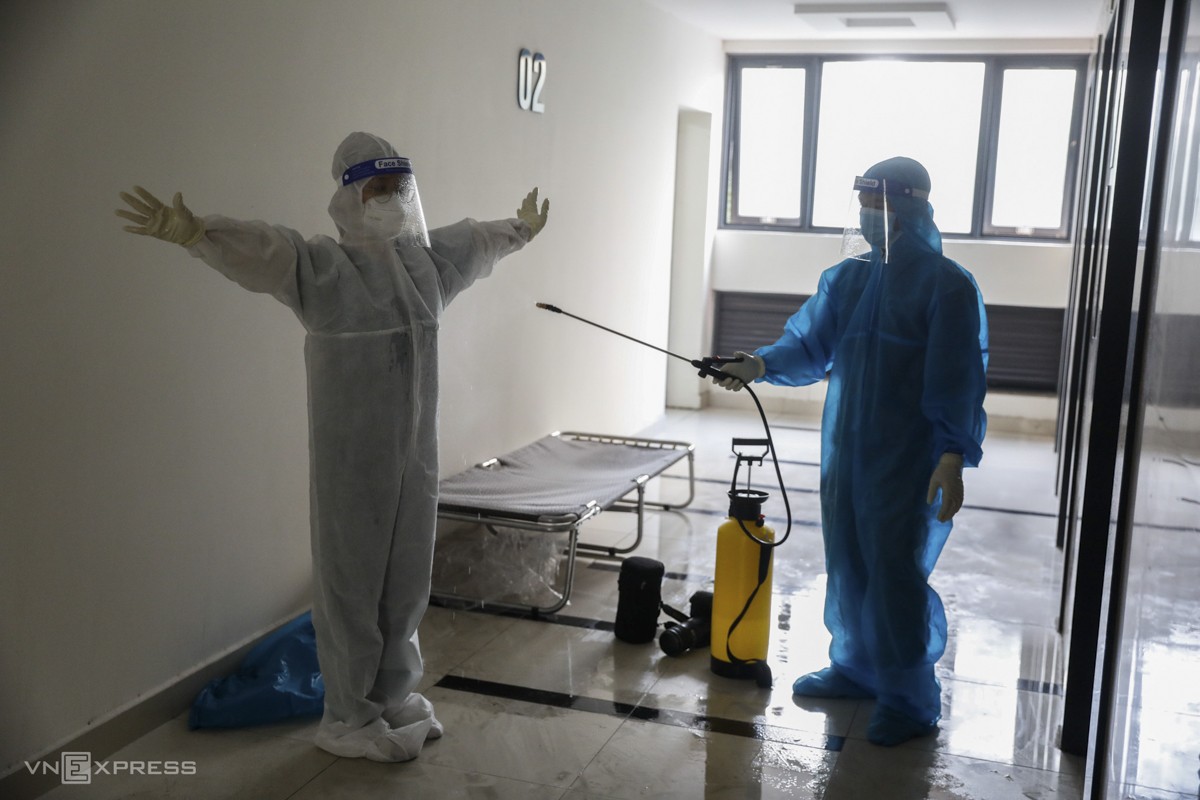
(741, 622)
(741, 602)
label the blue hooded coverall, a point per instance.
(904, 346)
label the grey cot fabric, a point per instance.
(554, 476)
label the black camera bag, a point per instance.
(639, 599)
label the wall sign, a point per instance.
(531, 79)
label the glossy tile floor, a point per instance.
(558, 708)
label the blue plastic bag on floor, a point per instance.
(279, 679)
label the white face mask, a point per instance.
(384, 216)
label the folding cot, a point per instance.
(555, 485)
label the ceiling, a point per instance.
(776, 20)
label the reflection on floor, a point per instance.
(558, 708)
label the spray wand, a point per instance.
(707, 365)
(708, 368)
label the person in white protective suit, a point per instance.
(370, 304)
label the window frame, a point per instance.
(989, 126)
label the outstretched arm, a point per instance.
(467, 250)
(804, 353)
(257, 256)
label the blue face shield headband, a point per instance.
(889, 188)
(377, 166)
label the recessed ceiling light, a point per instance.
(876, 16)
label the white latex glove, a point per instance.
(947, 476)
(174, 223)
(749, 369)
(528, 213)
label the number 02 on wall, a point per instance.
(531, 79)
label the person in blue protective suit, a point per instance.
(901, 333)
(370, 303)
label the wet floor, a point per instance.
(558, 708)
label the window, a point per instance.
(773, 135)
(872, 110)
(1033, 150)
(998, 134)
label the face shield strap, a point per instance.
(377, 166)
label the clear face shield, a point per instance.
(870, 223)
(391, 205)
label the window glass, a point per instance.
(1195, 234)
(771, 143)
(931, 109)
(1192, 164)
(872, 110)
(1179, 224)
(1033, 146)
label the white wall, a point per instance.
(153, 451)
(1008, 273)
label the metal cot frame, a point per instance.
(573, 522)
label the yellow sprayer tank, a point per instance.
(743, 570)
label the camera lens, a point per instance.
(678, 639)
(675, 641)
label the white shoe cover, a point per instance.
(416, 707)
(397, 736)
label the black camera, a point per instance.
(690, 632)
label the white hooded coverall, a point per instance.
(371, 309)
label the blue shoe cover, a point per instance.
(828, 682)
(889, 727)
